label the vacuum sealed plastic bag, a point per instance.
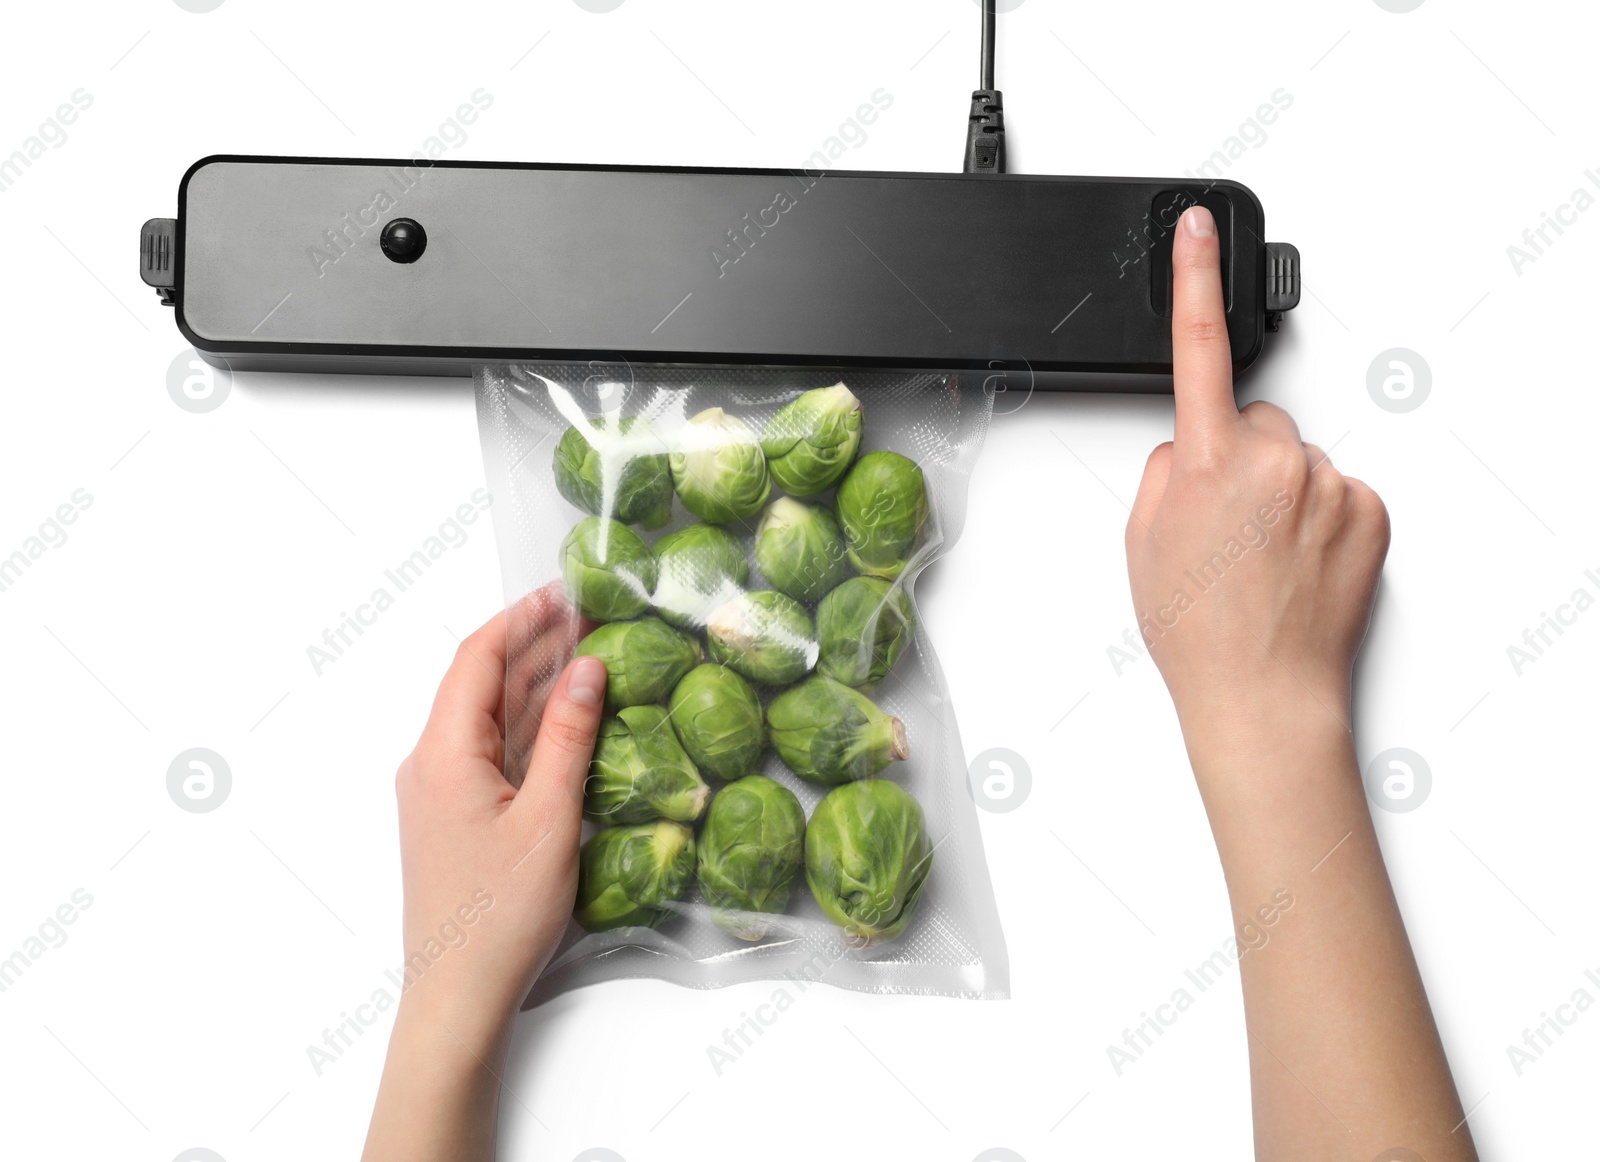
(779, 788)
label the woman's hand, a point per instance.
(1253, 565)
(489, 871)
(1253, 562)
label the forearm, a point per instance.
(439, 1097)
(1345, 1059)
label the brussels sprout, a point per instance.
(608, 570)
(810, 443)
(697, 569)
(633, 875)
(617, 469)
(800, 549)
(644, 659)
(861, 628)
(718, 468)
(718, 720)
(828, 733)
(640, 772)
(750, 853)
(882, 506)
(867, 857)
(764, 635)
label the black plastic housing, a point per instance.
(278, 265)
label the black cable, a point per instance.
(986, 49)
(986, 122)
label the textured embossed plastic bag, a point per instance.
(953, 945)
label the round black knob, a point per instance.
(403, 240)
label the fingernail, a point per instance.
(1199, 222)
(586, 685)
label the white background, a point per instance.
(218, 546)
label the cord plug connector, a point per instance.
(986, 134)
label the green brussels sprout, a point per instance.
(828, 733)
(608, 569)
(867, 857)
(718, 720)
(697, 569)
(861, 628)
(633, 875)
(617, 469)
(644, 659)
(810, 442)
(750, 853)
(882, 507)
(718, 468)
(639, 772)
(764, 635)
(800, 549)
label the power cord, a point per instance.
(986, 122)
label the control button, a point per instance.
(1158, 228)
(403, 240)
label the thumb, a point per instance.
(553, 786)
(1152, 487)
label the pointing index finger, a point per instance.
(1202, 362)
